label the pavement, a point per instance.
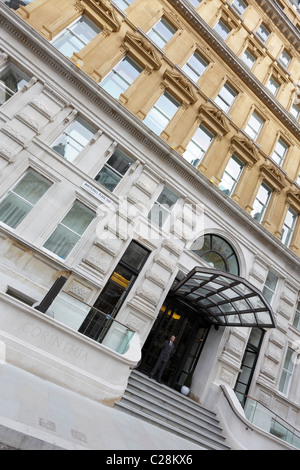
(39, 415)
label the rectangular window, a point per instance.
(240, 6)
(248, 58)
(162, 207)
(273, 86)
(161, 33)
(114, 170)
(289, 227)
(295, 111)
(161, 114)
(263, 33)
(73, 140)
(226, 97)
(298, 180)
(254, 126)
(231, 175)
(70, 230)
(121, 77)
(195, 66)
(270, 286)
(11, 81)
(222, 29)
(285, 59)
(280, 152)
(261, 202)
(198, 145)
(76, 36)
(15, 4)
(123, 4)
(22, 198)
(296, 322)
(195, 3)
(287, 372)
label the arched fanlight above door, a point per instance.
(217, 252)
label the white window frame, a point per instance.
(287, 373)
(296, 322)
(8, 90)
(117, 70)
(123, 4)
(161, 208)
(235, 180)
(287, 236)
(277, 154)
(263, 204)
(248, 58)
(67, 136)
(190, 70)
(113, 170)
(240, 6)
(263, 28)
(160, 110)
(267, 289)
(249, 127)
(152, 33)
(194, 158)
(282, 59)
(273, 86)
(295, 111)
(221, 26)
(222, 101)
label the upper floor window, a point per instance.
(273, 86)
(248, 58)
(254, 126)
(289, 227)
(73, 140)
(226, 97)
(231, 175)
(195, 66)
(295, 111)
(161, 32)
(15, 4)
(285, 59)
(12, 80)
(69, 230)
(163, 206)
(269, 288)
(287, 372)
(121, 77)
(123, 4)
(198, 145)
(195, 3)
(76, 36)
(114, 170)
(222, 29)
(261, 202)
(298, 180)
(22, 198)
(240, 6)
(263, 33)
(280, 152)
(296, 322)
(162, 112)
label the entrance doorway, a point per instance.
(190, 337)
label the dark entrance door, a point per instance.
(190, 337)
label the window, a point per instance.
(70, 230)
(217, 252)
(295, 111)
(121, 77)
(231, 175)
(17, 204)
(248, 58)
(195, 3)
(270, 286)
(114, 170)
(226, 97)
(273, 86)
(198, 145)
(222, 29)
(15, 4)
(123, 4)
(261, 202)
(280, 152)
(285, 59)
(161, 33)
(240, 6)
(296, 322)
(289, 227)
(76, 36)
(74, 139)
(11, 81)
(162, 207)
(263, 33)
(115, 291)
(195, 66)
(254, 126)
(161, 114)
(287, 372)
(298, 180)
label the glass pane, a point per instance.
(13, 210)
(11, 81)
(78, 218)
(158, 215)
(248, 59)
(121, 77)
(68, 43)
(195, 66)
(32, 187)
(167, 197)
(85, 29)
(108, 178)
(15, 4)
(62, 241)
(161, 33)
(74, 139)
(135, 255)
(120, 162)
(263, 33)
(222, 29)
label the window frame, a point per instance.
(222, 99)
(286, 376)
(286, 240)
(261, 123)
(263, 26)
(267, 289)
(13, 66)
(156, 109)
(218, 28)
(153, 32)
(117, 70)
(160, 205)
(282, 157)
(242, 166)
(188, 66)
(264, 205)
(195, 162)
(114, 170)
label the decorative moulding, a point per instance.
(215, 117)
(273, 175)
(102, 8)
(182, 87)
(245, 147)
(142, 50)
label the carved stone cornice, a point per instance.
(273, 176)
(143, 49)
(293, 198)
(245, 147)
(215, 116)
(102, 8)
(175, 81)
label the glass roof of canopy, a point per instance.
(223, 299)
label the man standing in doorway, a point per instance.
(167, 350)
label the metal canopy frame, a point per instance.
(223, 299)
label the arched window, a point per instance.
(217, 252)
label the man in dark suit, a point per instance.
(166, 352)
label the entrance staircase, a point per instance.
(170, 410)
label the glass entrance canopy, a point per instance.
(223, 299)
